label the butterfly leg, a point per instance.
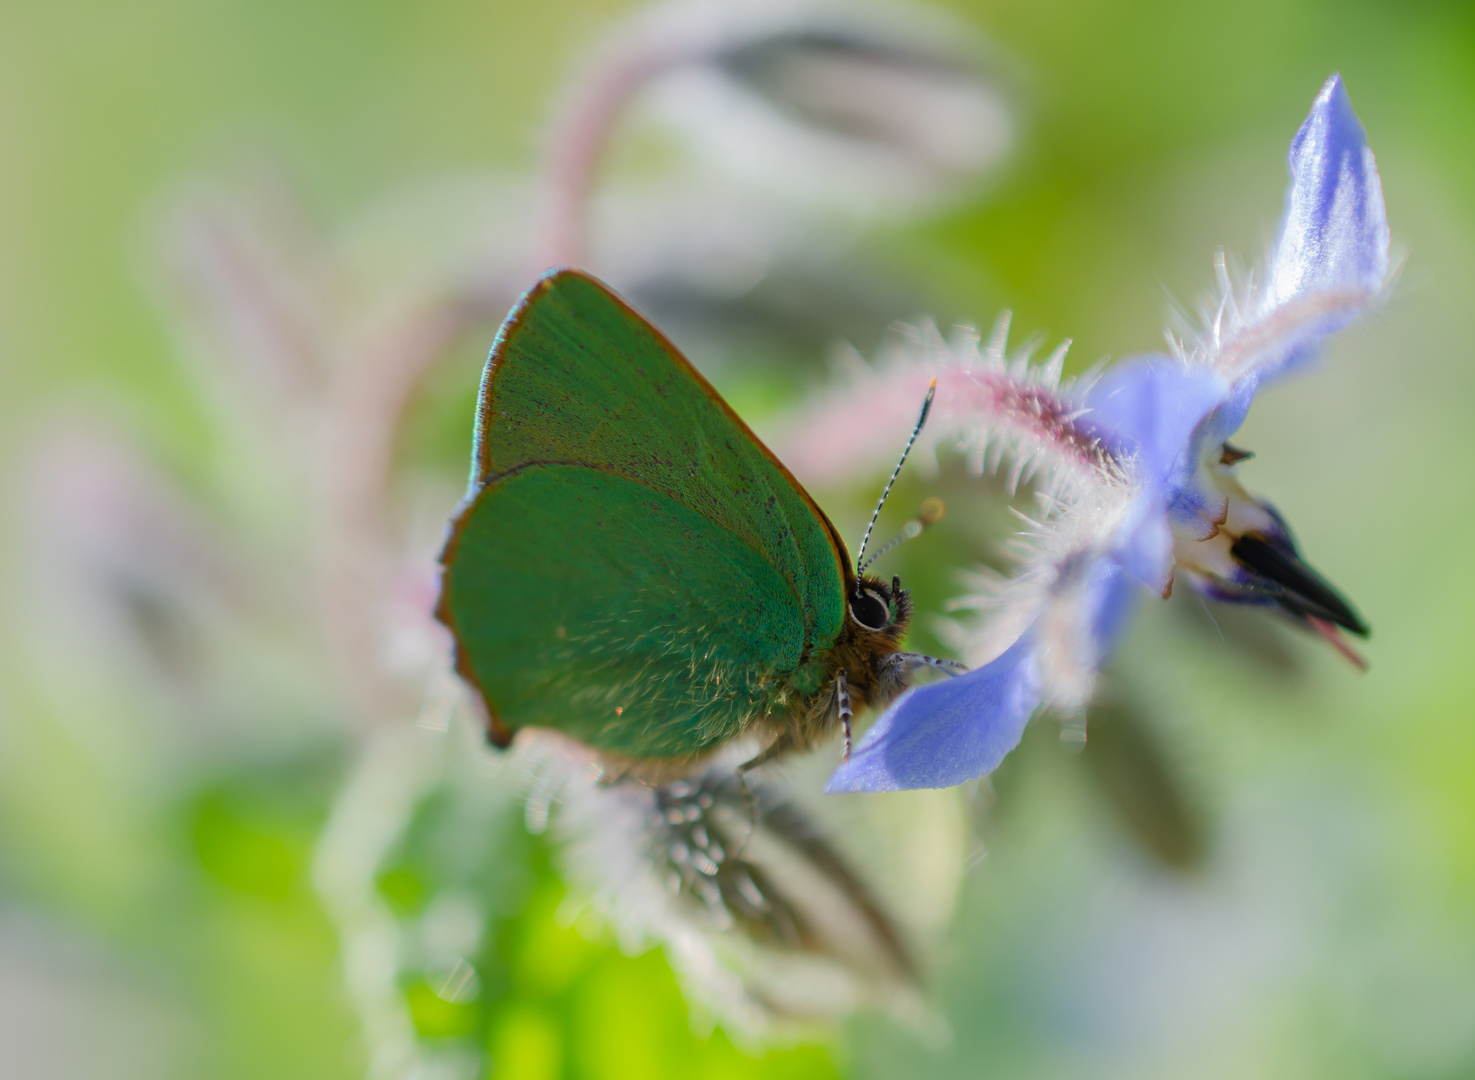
(837, 704)
(896, 671)
(912, 661)
(842, 707)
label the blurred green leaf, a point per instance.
(245, 850)
(437, 1018)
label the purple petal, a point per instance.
(1331, 257)
(942, 734)
(1114, 597)
(1335, 232)
(1083, 617)
(1194, 502)
(1143, 545)
(1149, 406)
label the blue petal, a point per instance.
(1143, 544)
(942, 734)
(1114, 597)
(1149, 406)
(1333, 241)
(1191, 499)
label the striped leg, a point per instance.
(842, 707)
(912, 661)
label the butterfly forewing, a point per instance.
(631, 566)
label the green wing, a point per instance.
(631, 566)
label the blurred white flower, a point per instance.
(873, 109)
(771, 925)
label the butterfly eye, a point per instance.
(870, 610)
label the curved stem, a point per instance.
(585, 119)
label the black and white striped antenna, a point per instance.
(860, 559)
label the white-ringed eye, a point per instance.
(868, 609)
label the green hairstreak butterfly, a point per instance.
(633, 568)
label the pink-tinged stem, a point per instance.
(342, 377)
(843, 434)
(1032, 410)
(259, 308)
(362, 408)
(581, 129)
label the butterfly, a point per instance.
(634, 569)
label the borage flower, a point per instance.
(1137, 476)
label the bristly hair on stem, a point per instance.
(990, 405)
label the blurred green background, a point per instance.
(1298, 904)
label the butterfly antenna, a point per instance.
(930, 513)
(860, 563)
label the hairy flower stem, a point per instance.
(1034, 411)
(989, 406)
